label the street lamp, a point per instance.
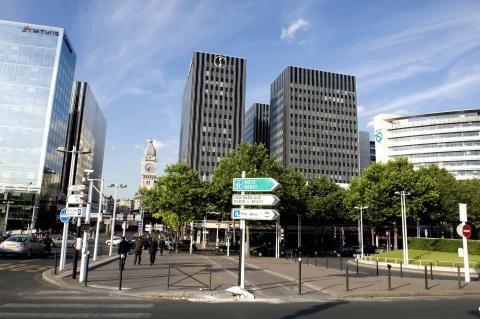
(23, 208)
(112, 223)
(403, 209)
(360, 229)
(7, 202)
(74, 152)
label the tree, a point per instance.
(324, 200)
(178, 196)
(469, 193)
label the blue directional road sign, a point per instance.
(63, 216)
(261, 184)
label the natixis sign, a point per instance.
(27, 28)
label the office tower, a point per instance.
(213, 110)
(364, 149)
(373, 156)
(87, 131)
(450, 140)
(313, 123)
(37, 65)
(257, 126)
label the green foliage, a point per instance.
(325, 200)
(178, 196)
(469, 193)
(446, 245)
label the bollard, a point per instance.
(346, 279)
(401, 270)
(307, 260)
(357, 265)
(426, 278)
(458, 278)
(300, 274)
(316, 260)
(431, 271)
(341, 264)
(389, 267)
(327, 262)
(121, 272)
(377, 267)
(56, 263)
(86, 271)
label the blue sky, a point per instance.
(408, 56)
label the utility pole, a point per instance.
(112, 222)
(6, 214)
(403, 207)
(99, 220)
(86, 231)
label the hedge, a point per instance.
(446, 245)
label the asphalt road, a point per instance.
(24, 295)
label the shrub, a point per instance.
(446, 245)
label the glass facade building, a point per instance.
(450, 140)
(257, 125)
(37, 65)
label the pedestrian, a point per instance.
(137, 249)
(48, 243)
(152, 249)
(162, 246)
(123, 251)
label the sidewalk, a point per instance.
(269, 279)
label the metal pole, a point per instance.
(426, 278)
(405, 226)
(377, 267)
(112, 221)
(401, 270)
(99, 220)
(191, 237)
(341, 263)
(459, 279)
(6, 217)
(346, 278)
(63, 252)
(300, 274)
(361, 232)
(121, 272)
(466, 266)
(83, 263)
(357, 265)
(32, 224)
(242, 251)
(431, 271)
(77, 249)
(389, 267)
(86, 273)
(56, 264)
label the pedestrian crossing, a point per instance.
(23, 266)
(75, 305)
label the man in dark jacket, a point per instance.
(152, 249)
(123, 251)
(137, 249)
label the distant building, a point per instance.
(364, 149)
(450, 140)
(373, 156)
(213, 110)
(37, 64)
(124, 206)
(257, 124)
(87, 131)
(313, 123)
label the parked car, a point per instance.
(223, 247)
(267, 250)
(57, 241)
(22, 245)
(116, 241)
(347, 251)
(184, 245)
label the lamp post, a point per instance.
(7, 202)
(99, 218)
(403, 209)
(23, 206)
(360, 229)
(112, 222)
(74, 152)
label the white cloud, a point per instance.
(360, 109)
(159, 144)
(289, 32)
(371, 123)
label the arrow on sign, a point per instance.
(255, 214)
(260, 200)
(263, 184)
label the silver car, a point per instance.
(22, 245)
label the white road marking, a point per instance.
(79, 305)
(87, 315)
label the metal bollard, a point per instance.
(341, 264)
(307, 260)
(86, 271)
(459, 278)
(357, 266)
(300, 274)
(316, 260)
(327, 262)
(401, 270)
(346, 280)
(377, 267)
(431, 271)
(426, 277)
(389, 267)
(56, 263)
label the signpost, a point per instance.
(63, 216)
(255, 214)
(263, 184)
(255, 199)
(465, 231)
(74, 211)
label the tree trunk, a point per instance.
(395, 236)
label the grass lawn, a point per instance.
(425, 257)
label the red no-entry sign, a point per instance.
(464, 230)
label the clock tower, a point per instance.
(149, 166)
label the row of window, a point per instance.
(436, 127)
(434, 136)
(435, 146)
(441, 155)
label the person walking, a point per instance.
(48, 243)
(152, 249)
(123, 251)
(162, 246)
(137, 249)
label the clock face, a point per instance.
(149, 167)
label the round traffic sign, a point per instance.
(467, 231)
(63, 216)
